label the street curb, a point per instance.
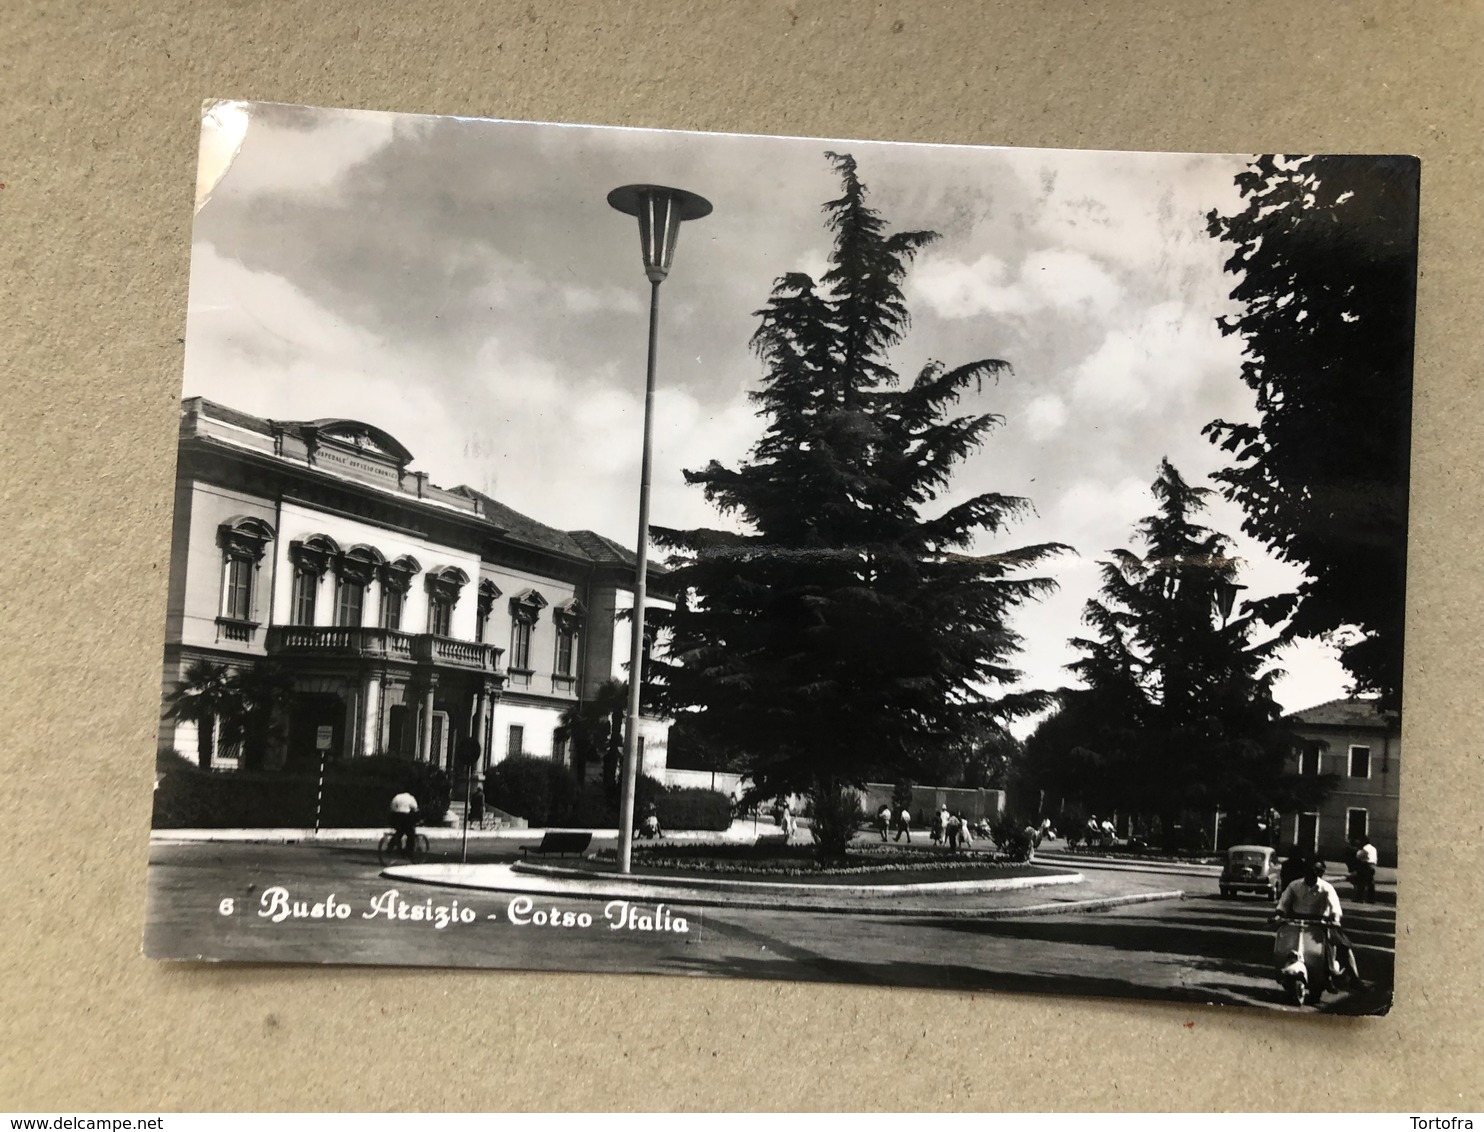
(1073, 861)
(1006, 884)
(409, 873)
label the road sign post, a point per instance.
(323, 737)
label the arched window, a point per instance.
(243, 540)
(354, 571)
(444, 587)
(525, 610)
(396, 580)
(311, 558)
(568, 616)
(488, 592)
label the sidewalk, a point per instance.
(742, 832)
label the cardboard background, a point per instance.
(98, 131)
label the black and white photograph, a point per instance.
(619, 550)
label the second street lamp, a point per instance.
(1225, 597)
(660, 211)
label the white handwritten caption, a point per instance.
(277, 904)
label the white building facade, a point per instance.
(408, 618)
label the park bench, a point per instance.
(559, 843)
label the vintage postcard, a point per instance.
(1020, 537)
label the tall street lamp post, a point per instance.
(1224, 597)
(660, 212)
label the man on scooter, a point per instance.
(1312, 895)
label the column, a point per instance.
(425, 742)
(487, 725)
(352, 741)
(371, 726)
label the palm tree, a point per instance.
(201, 698)
(594, 728)
(256, 699)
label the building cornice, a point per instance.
(485, 533)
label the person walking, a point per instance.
(904, 825)
(785, 817)
(953, 829)
(883, 820)
(1365, 861)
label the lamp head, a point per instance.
(1226, 597)
(660, 211)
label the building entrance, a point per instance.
(1307, 839)
(308, 713)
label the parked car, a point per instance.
(1251, 868)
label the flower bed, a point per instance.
(776, 862)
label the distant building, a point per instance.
(1361, 747)
(408, 616)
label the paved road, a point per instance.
(1201, 949)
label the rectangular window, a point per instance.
(520, 645)
(639, 754)
(440, 617)
(515, 743)
(239, 589)
(1306, 832)
(479, 623)
(349, 598)
(1309, 757)
(559, 751)
(391, 607)
(306, 585)
(564, 653)
(1360, 762)
(1357, 824)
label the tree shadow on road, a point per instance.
(938, 976)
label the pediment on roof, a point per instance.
(366, 439)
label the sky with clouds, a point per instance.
(464, 285)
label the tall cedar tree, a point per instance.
(1326, 251)
(846, 636)
(1177, 716)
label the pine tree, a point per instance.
(846, 634)
(1177, 715)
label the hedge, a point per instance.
(695, 808)
(356, 796)
(539, 790)
(547, 794)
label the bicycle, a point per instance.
(414, 850)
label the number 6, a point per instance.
(226, 906)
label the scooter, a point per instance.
(1304, 958)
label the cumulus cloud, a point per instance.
(464, 285)
(1047, 280)
(1045, 416)
(1165, 356)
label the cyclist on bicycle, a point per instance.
(404, 820)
